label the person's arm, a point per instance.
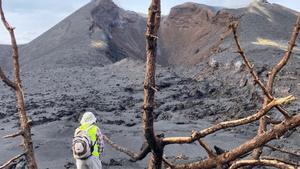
(100, 141)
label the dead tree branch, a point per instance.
(11, 160)
(265, 162)
(227, 124)
(134, 157)
(283, 150)
(252, 70)
(271, 76)
(20, 133)
(260, 140)
(208, 150)
(17, 86)
(170, 165)
(286, 57)
(156, 144)
(279, 159)
(6, 80)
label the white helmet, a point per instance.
(88, 118)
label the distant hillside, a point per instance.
(101, 33)
(193, 32)
(98, 34)
(5, 57)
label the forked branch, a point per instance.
(286, 57)
(6, 80)
(227, 124)
(260, 140)
(252, 70)
(271, 76)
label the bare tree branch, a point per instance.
(274, 133)
(272, 163)
(24, 126)
(170, 165)
(252, 70)
(206, 147)
(6, 80)
(11, 160)
(271, 76)
(279, 159)
(283, 150)
(19, 133)
(156, 144)
(134, 157)
(227, 124)
(286, 57)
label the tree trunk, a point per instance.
(25, 128)
(154, 142)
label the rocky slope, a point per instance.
(98, 34)
(192, 33)
(101, 33)
(93, 61)
(5, 57)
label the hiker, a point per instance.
(88, 143)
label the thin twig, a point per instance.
(6, 80)
(280, 160)
(273, 163)
(134, 157)
(154, 88)
(282, 150)
(253, 72)
(206, 147)
(11, 160)
(19, 133)
(171, 166)
(152, 36)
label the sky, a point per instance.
(33, 17)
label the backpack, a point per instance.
(82, 145)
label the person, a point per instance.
(88, 125)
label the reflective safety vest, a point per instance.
(92, 133)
